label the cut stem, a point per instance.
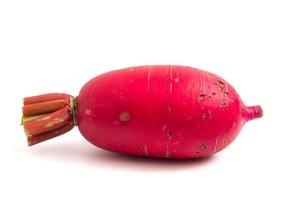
(44, 107)
(35, 139)
(45, 97)
(49, 122)
(47, 116)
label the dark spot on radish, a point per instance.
(203, 147)
(221, 85)
(223, 103)
(219, 82)
(170, 134)
(213, 93)
(201, 98)
(124, 116)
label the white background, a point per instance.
(56, 46)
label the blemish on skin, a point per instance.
(224, 103)
(221, 85)
(170, 134)
(206, 115)
(88, 111)
(124, 116)
(176, 80)
(213, 93)
(203, 147)
(201, 98)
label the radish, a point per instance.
(165, 111)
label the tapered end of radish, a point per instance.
(252, 112)
(48, 116)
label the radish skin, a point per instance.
(164, 111)
(161, 111)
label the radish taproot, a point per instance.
(165, 111)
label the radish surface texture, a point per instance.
(165, 111)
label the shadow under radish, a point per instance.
(87, 155)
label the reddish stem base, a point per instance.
(47, 116)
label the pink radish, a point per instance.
(153, 111)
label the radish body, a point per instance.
(161, 111)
